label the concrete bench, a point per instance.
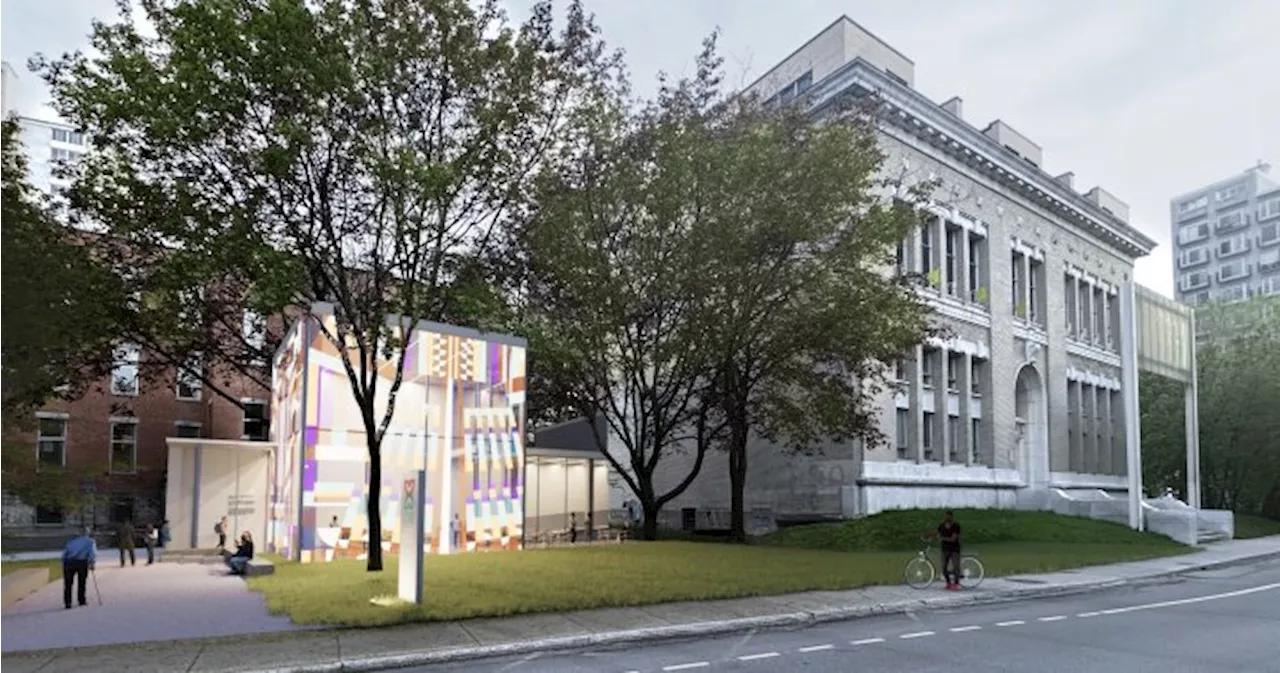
(258, 566)
(21, 583)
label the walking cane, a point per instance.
(96, 591)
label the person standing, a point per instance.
(78, 558)
(949, 532)
(455, 532)
(150, 538)
(573, 527)
(125, 542)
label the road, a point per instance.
(1219, 620)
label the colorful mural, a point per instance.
(459, 414)
(287, 386)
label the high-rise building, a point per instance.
(8, 89)
(1226, 238)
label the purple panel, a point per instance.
(311, 436)
(411, 356)
(309, 476)
(495, 364)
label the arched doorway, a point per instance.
(1032, 421)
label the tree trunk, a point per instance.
(374, 558)
(649, 531)
(737, 482)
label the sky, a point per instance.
(1148, 99)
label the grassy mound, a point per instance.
(901, 530)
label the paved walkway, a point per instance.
(162, 602)
(377, 649)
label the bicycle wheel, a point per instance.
(919, 572)
(971, 572)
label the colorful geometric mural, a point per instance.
(459, 414)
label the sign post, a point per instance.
(412, 532)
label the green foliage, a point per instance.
(1238, 366)
(270, 154)
(64, 489)
(1251, 526)
(902, 529)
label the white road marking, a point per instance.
(1015, 622)
(1088, 614)
(866, 641)
(962, 629)
(685, 667)
(917, 634)
(816, 648)
(524, 660)
(762, 655)
(1055, 618)
(1188, 601)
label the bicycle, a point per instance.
(920, 571)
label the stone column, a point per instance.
(962, 265)
(1108, 338)
(965, 383)
(915, 394)
(1072, 309)
(1078, 462)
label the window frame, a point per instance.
(112, 441)
(265, 419)
(126, 355)
(179, 425)
(193, 381)
(41, 438)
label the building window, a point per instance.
(975, 376)
(900, 432)
(188, 429)
(926, 247)
(953, 439)
(975, 277)
(900, 258)
(953, 264)
(975, 439)
(926, 367)
(954, 362)
(51, 442)
(68, 136)
(255, 336)
(1069, 285)
(48, 516)
(190, 385)
(900, 370)
(256, 423)
(124, 447)
(1033, 291)
(124, 375)
(1015, 287)
(1073, 425)
(1269, 233)
(926, 435)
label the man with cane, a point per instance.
(78, 558)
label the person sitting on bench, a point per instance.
(244, 552)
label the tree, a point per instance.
(614, 298)
(806, 309)
(58, 312)
(359, 152)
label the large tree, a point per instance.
(358, 152)
(59, 318)
(711, 270)
(806, 308)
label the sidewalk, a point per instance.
(377, 649)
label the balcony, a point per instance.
(1231, 222)
(1234, 246)
(1188, 283)
(1192, 258)
(1233, 272)
(1193, 233)
(1268, 235)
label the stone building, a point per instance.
(1025, 270)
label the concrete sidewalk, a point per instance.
(378, 649)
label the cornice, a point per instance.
(909, 110)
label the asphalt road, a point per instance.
(1219, 620)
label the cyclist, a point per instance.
(949, 532)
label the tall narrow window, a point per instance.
(954, 362)
(975, 278)
(975, 440)
(254, 332)
(124, 447)
(1015, 287)
(124, 373)
(1069, 295)
(190, 383)
(926, 435)
(256, 422)
(927, 364)
(900, 258)
(953, 264)
(953, 439)
(926, 248)
(1033, 291)
(901, 433)
(51, 443)
(975, 376)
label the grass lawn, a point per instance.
(639, 573)
(1252, 525)
(54, 566)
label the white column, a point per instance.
(915, 401)
(965, 383)
(1133, 433)
(1108, 431)
(962, 264)
(941, 406)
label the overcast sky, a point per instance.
(1147, 98)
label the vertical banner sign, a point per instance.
(412, 528)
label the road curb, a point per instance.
(787, 620)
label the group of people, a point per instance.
(238, 559)
(153, 539)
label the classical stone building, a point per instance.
(1025, 270)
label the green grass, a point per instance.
(640, 573)
(1252, 525)
(54, 566)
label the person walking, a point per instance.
(573, 527)
(455, 531)
(125, 542)
(78, 558)
(150, 538)
(220, 529)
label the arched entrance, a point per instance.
(1032, 434)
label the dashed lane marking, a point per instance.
(866, 641)
(762, 655)
(685, 667)
(816, 648)
(1088, 614)
(917, 634)
(962, 629)
(1055, 618)
(1013, 622)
